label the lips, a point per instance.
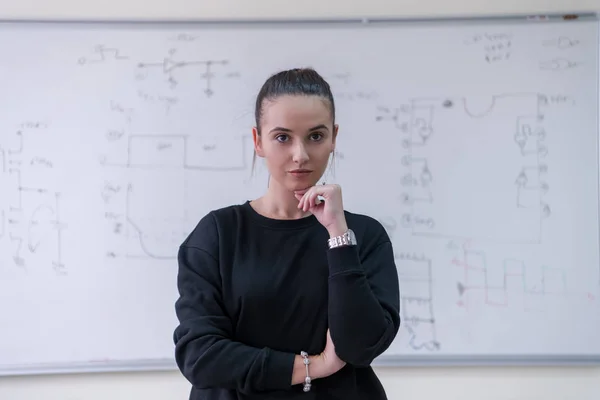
(298, 173)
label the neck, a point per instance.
(279, 203)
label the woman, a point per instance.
(287, 296)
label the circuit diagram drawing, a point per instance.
(31, 227)
(169, 67)
(505, 282)
(473, 170)
(102, 54)
(416, 301)
(146, 193)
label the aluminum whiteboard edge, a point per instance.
(541, 17)
(382, 362)
(90, 367)
(490, 361)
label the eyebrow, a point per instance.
(281, 129)
(318, 127)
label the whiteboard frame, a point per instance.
(148, 365)
(169, 365)
(593, 15)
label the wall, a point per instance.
(401, 383)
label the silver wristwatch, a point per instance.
(346, 239)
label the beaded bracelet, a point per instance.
(306, 363)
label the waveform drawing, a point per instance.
(156, 228)
(102, 54)
(506, 282)
(416, 280)
(476, 170)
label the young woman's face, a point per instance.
(297, 137)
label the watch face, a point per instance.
(351, 236)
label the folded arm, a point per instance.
(204, 351)
(364, 300)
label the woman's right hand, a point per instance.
(321, 366)
(330, 359)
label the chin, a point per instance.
(299, 185)
(293, 184)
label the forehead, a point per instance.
(296, 110)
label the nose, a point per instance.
(300, 155)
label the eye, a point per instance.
(316, 136)
(281, 138)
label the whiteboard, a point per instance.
(474, 143)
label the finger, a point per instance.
(315, 200)
(323, 191)
(306, 202)
(301, 203)
(305, 197)
(299, 194)
(300, 197)
(310, 200)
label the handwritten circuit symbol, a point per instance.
(169, 66)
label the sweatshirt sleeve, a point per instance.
(364, 300)
(204, 350)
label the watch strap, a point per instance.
(346, 239)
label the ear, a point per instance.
(257, 142)
(335, 133)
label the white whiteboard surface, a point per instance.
(475, 144)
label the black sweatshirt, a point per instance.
(255, 291)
